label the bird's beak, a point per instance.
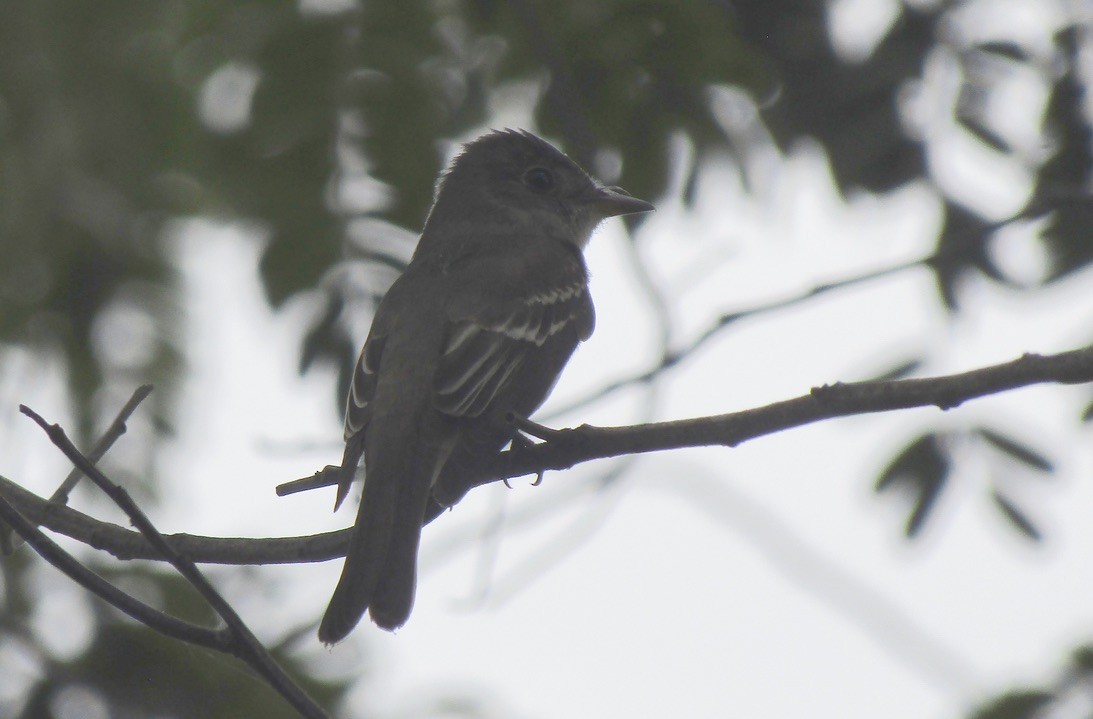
(612, 201)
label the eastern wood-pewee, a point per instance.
(489, 310)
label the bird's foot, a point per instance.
(522, 427)
(519, 442)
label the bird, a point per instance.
(476, 330)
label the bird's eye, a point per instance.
(539, 179)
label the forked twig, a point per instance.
(235, 638)
(116, 429)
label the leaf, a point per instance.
(922, 469)
(1082, 659)
(1066, 233)
(1020, 452)
(961, 247)
(1023, 704)
(690, 185)
(1016, 517)
(326, 337)
(1067, 230)
(984, 134)
(1001, 48)
(1087, 414)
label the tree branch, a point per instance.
(585, 443)
(573, 446)
(569, 447)
(127, 544)
(237, 638)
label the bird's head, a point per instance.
(520, 179)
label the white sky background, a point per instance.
(762, 581)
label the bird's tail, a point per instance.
(380, 569)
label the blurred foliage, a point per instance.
(303, 117)
(923, 468)
(150, 675)
(851, 108)
(1068, 696)
(920, 470)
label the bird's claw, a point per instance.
(520, 441)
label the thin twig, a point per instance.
(243, 644)
(325, 477)
(116, 429)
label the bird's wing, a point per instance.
(362, 388)
(488, 340)
(358, 409)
